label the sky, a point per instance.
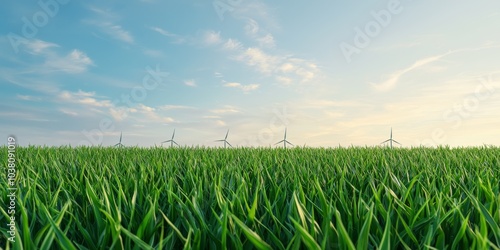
(330, 72)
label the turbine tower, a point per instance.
(119, 144)
(225, 140)
(172, 142)
(390, 140)
(284, 141)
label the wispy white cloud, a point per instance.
(114, 31)
(106, 22)
(226, 110)
(118, 114)
(211, 37)
(215, 120)
(220, 123)
(245, 88)
(306, 70)
(174, 107)
(284, 80)
(211, 117)
(75, 62)
(68, 112)
(232, 44)
(103, 12)
(83, 98)
(190, 83)
(393, 79)
(251, 27)
(151, 114)
(36, 46)
(283, 67)
(257, 58)
(35, 83)
(286, 67)
(139, 113)
(321, 103)
(256, 10)
(266, 41)
(178, 39)
(28, 98)
(24, 116)
(90, 101)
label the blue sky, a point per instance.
(331, 72)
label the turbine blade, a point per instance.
(279, 142)
(285, 135)
(173, 135)
(176, 143)
(396, 142)
(385, 141)
(229, 144)
(227, 133)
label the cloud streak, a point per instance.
(190, 83)
(245, 88)
(112, 30)
(74, 62)
(393, 80)
(177, 39)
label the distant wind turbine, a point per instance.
(390, 140)
(172, 142)
(225, 140)
(284, 141)
(119, 144)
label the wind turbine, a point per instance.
(172, 142)
(119, 144)
(390, 140)
(284, 141)
(225, 140)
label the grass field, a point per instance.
(262, 198)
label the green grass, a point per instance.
(345, 198)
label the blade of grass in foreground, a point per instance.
(136, 239)
(385, 243)
(363, 239)
(64, 241)
(343, 232)
(174, 227)
(484, 212)
(251, 235)
(305, 236)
